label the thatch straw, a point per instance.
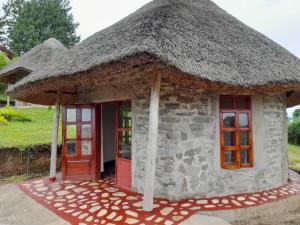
(35, 59)
(195, 37)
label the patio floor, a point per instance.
(102, 202)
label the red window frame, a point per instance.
(236, 131)
(123, 131)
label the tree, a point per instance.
(296, 114)
(4, 61)
(10, 12)
(39, 20)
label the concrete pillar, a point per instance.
(152, 144)
(54, 139)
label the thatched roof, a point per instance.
(35, 59)
(194, 37)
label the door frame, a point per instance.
(94, 158)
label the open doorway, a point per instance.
(108, 139)
(116, 142)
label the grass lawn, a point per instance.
(38, 131)
(294, 157)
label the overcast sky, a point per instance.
(278, 19)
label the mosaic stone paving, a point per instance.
(102, 202)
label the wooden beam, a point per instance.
(54, 139)
(62, 92)
(152, 144)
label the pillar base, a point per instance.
(52, 179)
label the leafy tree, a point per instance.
(294, 131)
(39, 20)
(10, 12)
(296, 114)
(3, 62)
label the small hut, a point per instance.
(184, 99)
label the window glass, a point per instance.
(229, 120)
(86, 148)
(86, 131)
(244, 139)
(245, 157)
(242, 102)
(226, 102)
(71, 115)
(243, 119)
(71, 147)
(229, 138)
(86, 114)
(230, 157)
(71, 131)
(236, 139)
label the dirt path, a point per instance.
(291, 218)
(17, 208)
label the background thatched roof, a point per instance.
(35, 59)
(194, 36)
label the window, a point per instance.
(236, 132)
(124, 133)
(78, 131)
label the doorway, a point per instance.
(108, 144)
(116, 142)
(97, 138)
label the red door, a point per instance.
(123, 145)
(79, 143)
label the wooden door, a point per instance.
(123, 145)
(79, 155)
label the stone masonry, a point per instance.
(188, 157)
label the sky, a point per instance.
(278, 19)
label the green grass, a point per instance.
(20, 178)
(38, 131)
(294, 157)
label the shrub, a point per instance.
(294, 131)
(3, 121)
(9, 114)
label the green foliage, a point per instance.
(294, 131)
(3, 62)
(10, 12)
(296, 114)
(39, 20)
(9, 114)
(3, 121)
(38, 131)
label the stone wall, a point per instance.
(33, 159)
(188, 160)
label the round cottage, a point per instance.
(222, 88)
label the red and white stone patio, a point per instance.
(102, 202)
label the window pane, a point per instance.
(229, 139)
(86, 114)
(71, 148)
(244, 139)
(71, 115)
(226, 102)
(71, 131)
(243, 118)
(245, 156)
(125, 144)
(86, 131)
(229, 120)
(242, 102)
(230, 157)
(86, 148)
